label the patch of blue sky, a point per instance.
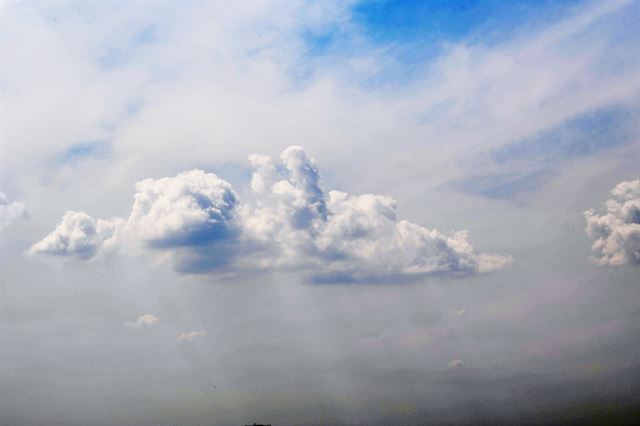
(238, 174)
(578, 137)
(501, 185)
(319, 43)
(115, 56)
(529, 161)
(85, 150)
(413, 33)
(148, 34)
(133, 106)
(112, 57)
(436, 21)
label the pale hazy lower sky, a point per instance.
(304, 213)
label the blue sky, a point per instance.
(417, 31)
(181, 181)
(445, 21)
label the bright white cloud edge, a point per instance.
(616, 230)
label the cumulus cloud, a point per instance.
(343, 236)
(78, 235)
(192, 335)
(616, 229)
(189, 220)
(190, 209)
(197, 222)
(143, 321)
(193, 209)
(10, 211)
(456, 363)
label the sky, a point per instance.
(303, 213)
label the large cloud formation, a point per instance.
(10, 211)
(196, 221)
(617, 230)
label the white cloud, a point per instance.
(78, 235)
(190, 209)
(202, 89)
(143, 321)
(196, 219)
(10, 211)
(192, 335)
(342, 236)
(458, 312)
(264, 85)
(617, 229)
(456, 363)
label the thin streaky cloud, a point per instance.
(192, 335)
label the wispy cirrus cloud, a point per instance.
(193, 335)
(473, 93)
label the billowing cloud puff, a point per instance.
(78, 235)
(617, 230)
(143, 321)
(10, 211)
(190, 209)
(347, 237)
(289, 211)
(187, 212)
(188, 219)
(196, 220)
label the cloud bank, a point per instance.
(617, 230)
(196, 221)
(9, 212)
